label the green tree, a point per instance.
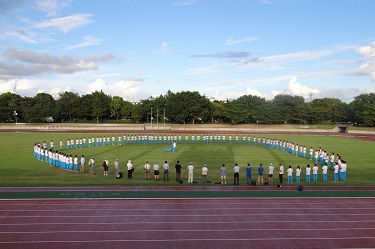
(187, 107)
(286, 106)
(116, 106)
(40, 108)
(329, 110)
(10, 103)
(219, 111)
(85, 107)
(363, 109)
(68, 106)
(127, 109)
(136, 113)
(247, 109)
(100, 105)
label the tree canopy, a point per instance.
(186, 108)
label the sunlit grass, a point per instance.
(19, 168)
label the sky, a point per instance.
(223, 49)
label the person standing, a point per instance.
(130, 169)
(281, 173)
(190, 172)
(82, 166)
(343, 170)
(248, 174)
(315, 172)
(236, 172)
(75, 163)
(117, 167)
(204, 173)
(308, 173)
(270, 173)
(324, 172)
(336, 172)
(105, 166)
(92, 163)
(260, 174)
(178, 171)
(174, 146)
(51, 146)
(298, 174)
(223, 174)
(147, 169)
(166, 171)
(156, 168)
(290, 174)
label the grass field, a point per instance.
(19, 168)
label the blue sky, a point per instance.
(222, 48)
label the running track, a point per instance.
(188, 223)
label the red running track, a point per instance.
(188, 223)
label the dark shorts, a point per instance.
(156, 172)
(105, 168)
(270, 175)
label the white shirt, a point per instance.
(315, 170)
(130, 166)
(290, 171)
(165, 166)
(324, 169)
(298, 172)
(270, 170)
(147, 166)
(343, 167)
(308, 171)
(204, 171)
(336, 169)
(191, 168)
(156, 166)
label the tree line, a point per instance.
(185, 107)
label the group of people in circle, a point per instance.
(67, 161)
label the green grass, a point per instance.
(19, 168)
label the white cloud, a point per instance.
(277, 62)
(56, 90)
(21, 34)
(87, 41)
(368, 67)
(52, 7)
(26, 62)
(254, 92)
(67, 23)
(22, 87)
(128, 89)
(202, 70)
(298, 89)
(228, 96)
(367, 51)
(231, 41)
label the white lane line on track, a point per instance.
(190, 230)
(187, 222)
(186, 240)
